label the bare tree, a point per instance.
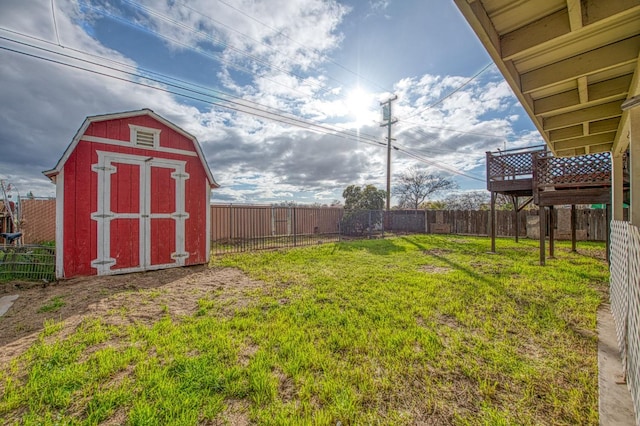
(472, 200)
(416, 185)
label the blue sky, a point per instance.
(315, 70)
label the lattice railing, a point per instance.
(510, 166)
(619, 266)
(625, 301)
(633, 324)
(581, 170)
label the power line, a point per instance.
(273, 117)
(536, 139)
(215, 56)
(236, 106)
(213, 40)
(164, 78)
(436, 164)
(448, 95)
(319, 128)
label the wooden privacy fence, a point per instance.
(248, 227)
(38, 220)
(473, 222)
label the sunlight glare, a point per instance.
(359, 105)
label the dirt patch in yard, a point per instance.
(120, 299)
(433, 269)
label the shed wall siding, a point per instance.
(80, 199)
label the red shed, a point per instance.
(132, 194)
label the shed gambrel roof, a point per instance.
(571, 63)
(128, 114)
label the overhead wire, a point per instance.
(419, 130)
(234, 105)
(240, 107)
(451, 93)
(255, 112)
(436, 164)
(165, 77)
(214, 56)
(197, 96)
(162, 16)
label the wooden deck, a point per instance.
(549, 181)
(584, 179)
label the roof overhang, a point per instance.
(571, 63)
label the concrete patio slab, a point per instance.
(615, 406)
(6, 302)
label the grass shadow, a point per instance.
(453, 265)
(379, 247)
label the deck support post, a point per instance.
(516, 210)
(617, 187)
(543, 231)
(551, 233)
(573, 228)
(608, 229)
(492, 222)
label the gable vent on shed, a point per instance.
(145, 136)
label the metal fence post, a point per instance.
(295, 225)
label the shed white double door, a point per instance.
(140, 213)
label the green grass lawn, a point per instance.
(419, 329)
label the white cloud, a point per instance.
(284, 34)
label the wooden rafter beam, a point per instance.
(585, 140)
(583, 91)
(615, 88)
(541, 31)
(600, 59)
(598, 112)
(575, 14)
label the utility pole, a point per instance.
(389, 121)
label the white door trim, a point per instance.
(103, 215)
